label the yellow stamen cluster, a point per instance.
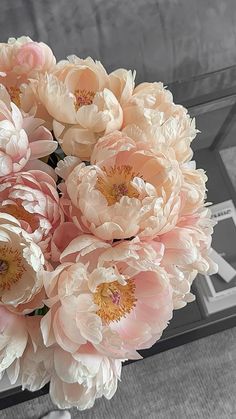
(21, 214)
(14, 93)
(116, 182)
(83, 97)
(11, 267)
(115, 300)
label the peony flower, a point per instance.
(80, 378)
(121, 83)
(75, 379)
(120, 302)
(31, 57)
(24, 56)
(79, 98)
(33, 199)
(187, 253)
(88, 249)
(23, 356)
(181, 280)
(193, 188)
(22, 59)
(150, 116)
(23, 138)
(36, 363)
(127, 191)
(66, 233)
(20, 263)
(13, 337)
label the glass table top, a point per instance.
(204, 88)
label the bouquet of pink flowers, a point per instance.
(103, 225)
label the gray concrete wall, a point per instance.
(161, 39)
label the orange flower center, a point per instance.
(83, 97)
(21, 214)
(14, 93)
(11, 267)
(116, 182)
(115, 300)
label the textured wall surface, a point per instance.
(161, 39)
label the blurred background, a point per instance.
(162, 39)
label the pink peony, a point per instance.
(79, 98)
(36, 363)
(150, 116)
(121, 83)
(22, 60)
(187, 253)
(20, 264)
(193, 189)
(23, 138)
(75, 379)
(81, 378)
(65, 235)
(119, 303)
(24, 56)
(127, 191)
(13, 336)
(22, 354)
(33, 199)
(89, 249)
(31, 58)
